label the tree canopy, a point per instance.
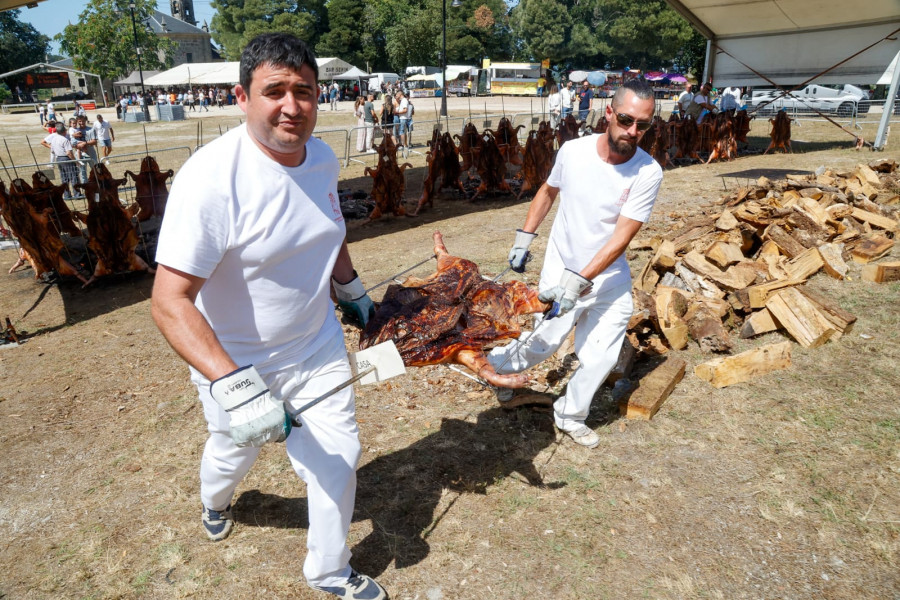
(394, 34)
(20, 43)
(103, 41)
(238, 21)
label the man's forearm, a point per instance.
(624, 232)
(343, 266)
(540, 207)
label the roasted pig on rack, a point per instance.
(452, 316)
(152, 193)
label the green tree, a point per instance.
(346, 36)
(238, 21)
(20, 43)
(103, 41)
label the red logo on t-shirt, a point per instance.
(335, 208)
(623, 198)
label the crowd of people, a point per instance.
(192, 98)
(74, 147)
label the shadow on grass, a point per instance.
(406, 493)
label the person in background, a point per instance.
(585, 100)
(370, 118)
(85, 142)
(541, 84)
(684, 99)
(359, 113)
(105, 135)
(567, 97)
(554, 105)
(387, 116)
(51, 112)
(42, 113)
(61, 152)
(252, 243)
(731, 99)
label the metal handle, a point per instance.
(294, 414)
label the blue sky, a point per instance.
(51, 16)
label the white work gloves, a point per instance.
(519, 255)
(255, 417)
(571, 286)
(353, 300)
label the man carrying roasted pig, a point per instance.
(252, 241)
(608, 186)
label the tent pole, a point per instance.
(881, 135)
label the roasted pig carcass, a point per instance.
(538, 159)
(452, 316)
(724, 142)
(388, 181)
(568, 129)
(45, 194)
(507, 138)
(111, 234)
(662, 140)
(469, 147)
(442, 161)
(687, 139)
(151, 191)
(741, 126)
(40, 240)
(491, 166)
(781, 132)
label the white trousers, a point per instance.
(324, 452)
(599, 320)
(370, 135)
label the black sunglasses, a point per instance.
(627, 120)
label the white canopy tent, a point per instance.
(196, 73)
(330, 68)
(793, 42)
(353, 73)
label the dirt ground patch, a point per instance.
(784, 487)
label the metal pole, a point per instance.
(444, 59)
(136, 49)
(888, 110)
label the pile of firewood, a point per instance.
(741, 271)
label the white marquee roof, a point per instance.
(790, 41)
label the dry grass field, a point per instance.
(784, 487)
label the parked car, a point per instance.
(842, 101)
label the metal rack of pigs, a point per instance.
(388, 182)
(117, 239)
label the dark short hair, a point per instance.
(638, 87)
(60, 128)
(276, 49)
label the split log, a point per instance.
(882, 272)
(671, 306)
(736, 280)
(871, 249)
(665, 255)
(759, 294)
(805, 265)
(838, 317)
(758, 323)
(698, 284)
(875, 220)
(800, 318)
(653, 389)
(833, 260)
(725, 371)
(726, 222)
(787, 244)
(707, 330)
(866, 175)
(624, 364)
(723, 254)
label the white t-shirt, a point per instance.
(60, 146)
(101, 128)
(684, 100)
(554, 103)
(731, 98)
(265, 237)
(403, 109)
(593, 193)
(565, 97)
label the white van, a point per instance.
(376, 79)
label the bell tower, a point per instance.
(183, 10)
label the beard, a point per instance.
(622, 146)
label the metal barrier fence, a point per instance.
(872, 110)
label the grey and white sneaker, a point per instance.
(217, 523)
(504, 394)
(584, 436)
(358, 587)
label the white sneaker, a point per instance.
(358, 587)
(584, 436)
